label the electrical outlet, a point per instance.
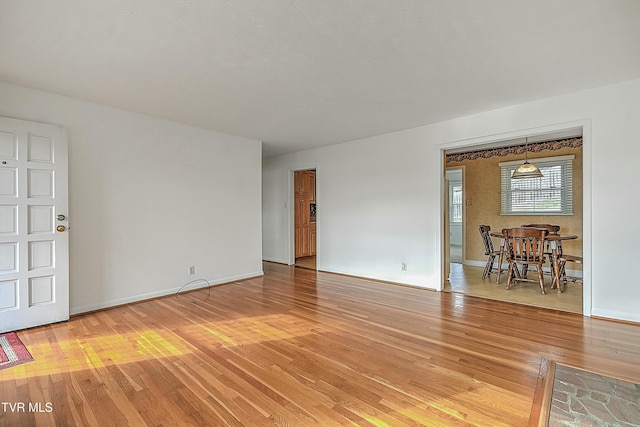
(192, 270)
(404, 266)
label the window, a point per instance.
(456, 203)
(552, 194)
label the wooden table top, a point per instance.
(547, 237)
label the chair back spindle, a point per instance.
(490, 252)
(486, 239)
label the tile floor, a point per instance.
(583, 398)
(468, 280)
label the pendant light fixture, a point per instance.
(526, 170)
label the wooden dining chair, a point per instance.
(489, 251)
(563, 259)
(553, 229)
(525, 246)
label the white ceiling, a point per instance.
(298, 74)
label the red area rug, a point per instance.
(12, 351)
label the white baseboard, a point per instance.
(474, 263)
(164, 292)
(617, 315)
(277, 260)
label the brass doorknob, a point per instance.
(61, 228)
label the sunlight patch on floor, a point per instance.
(249, 330)
(92, 353)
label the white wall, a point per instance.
(148, 198)
(373, 201)
(380, 203)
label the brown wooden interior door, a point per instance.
(302, 231)
(304, 183)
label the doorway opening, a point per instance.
(305, 214)
(456, 214)
(482, 203)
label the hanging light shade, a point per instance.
(526, 170)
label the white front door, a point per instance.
(34, 242)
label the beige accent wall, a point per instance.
(482, 202)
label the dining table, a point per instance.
(555, 245)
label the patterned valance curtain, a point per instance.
(516, 149)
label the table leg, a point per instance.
(556, 268)
(500, 259)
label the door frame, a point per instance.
(464, 210)
(291, 214)
(473, 143)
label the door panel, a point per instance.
(34, 255)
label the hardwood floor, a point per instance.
(301, 348)
(306, 262)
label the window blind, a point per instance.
(551, 194)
